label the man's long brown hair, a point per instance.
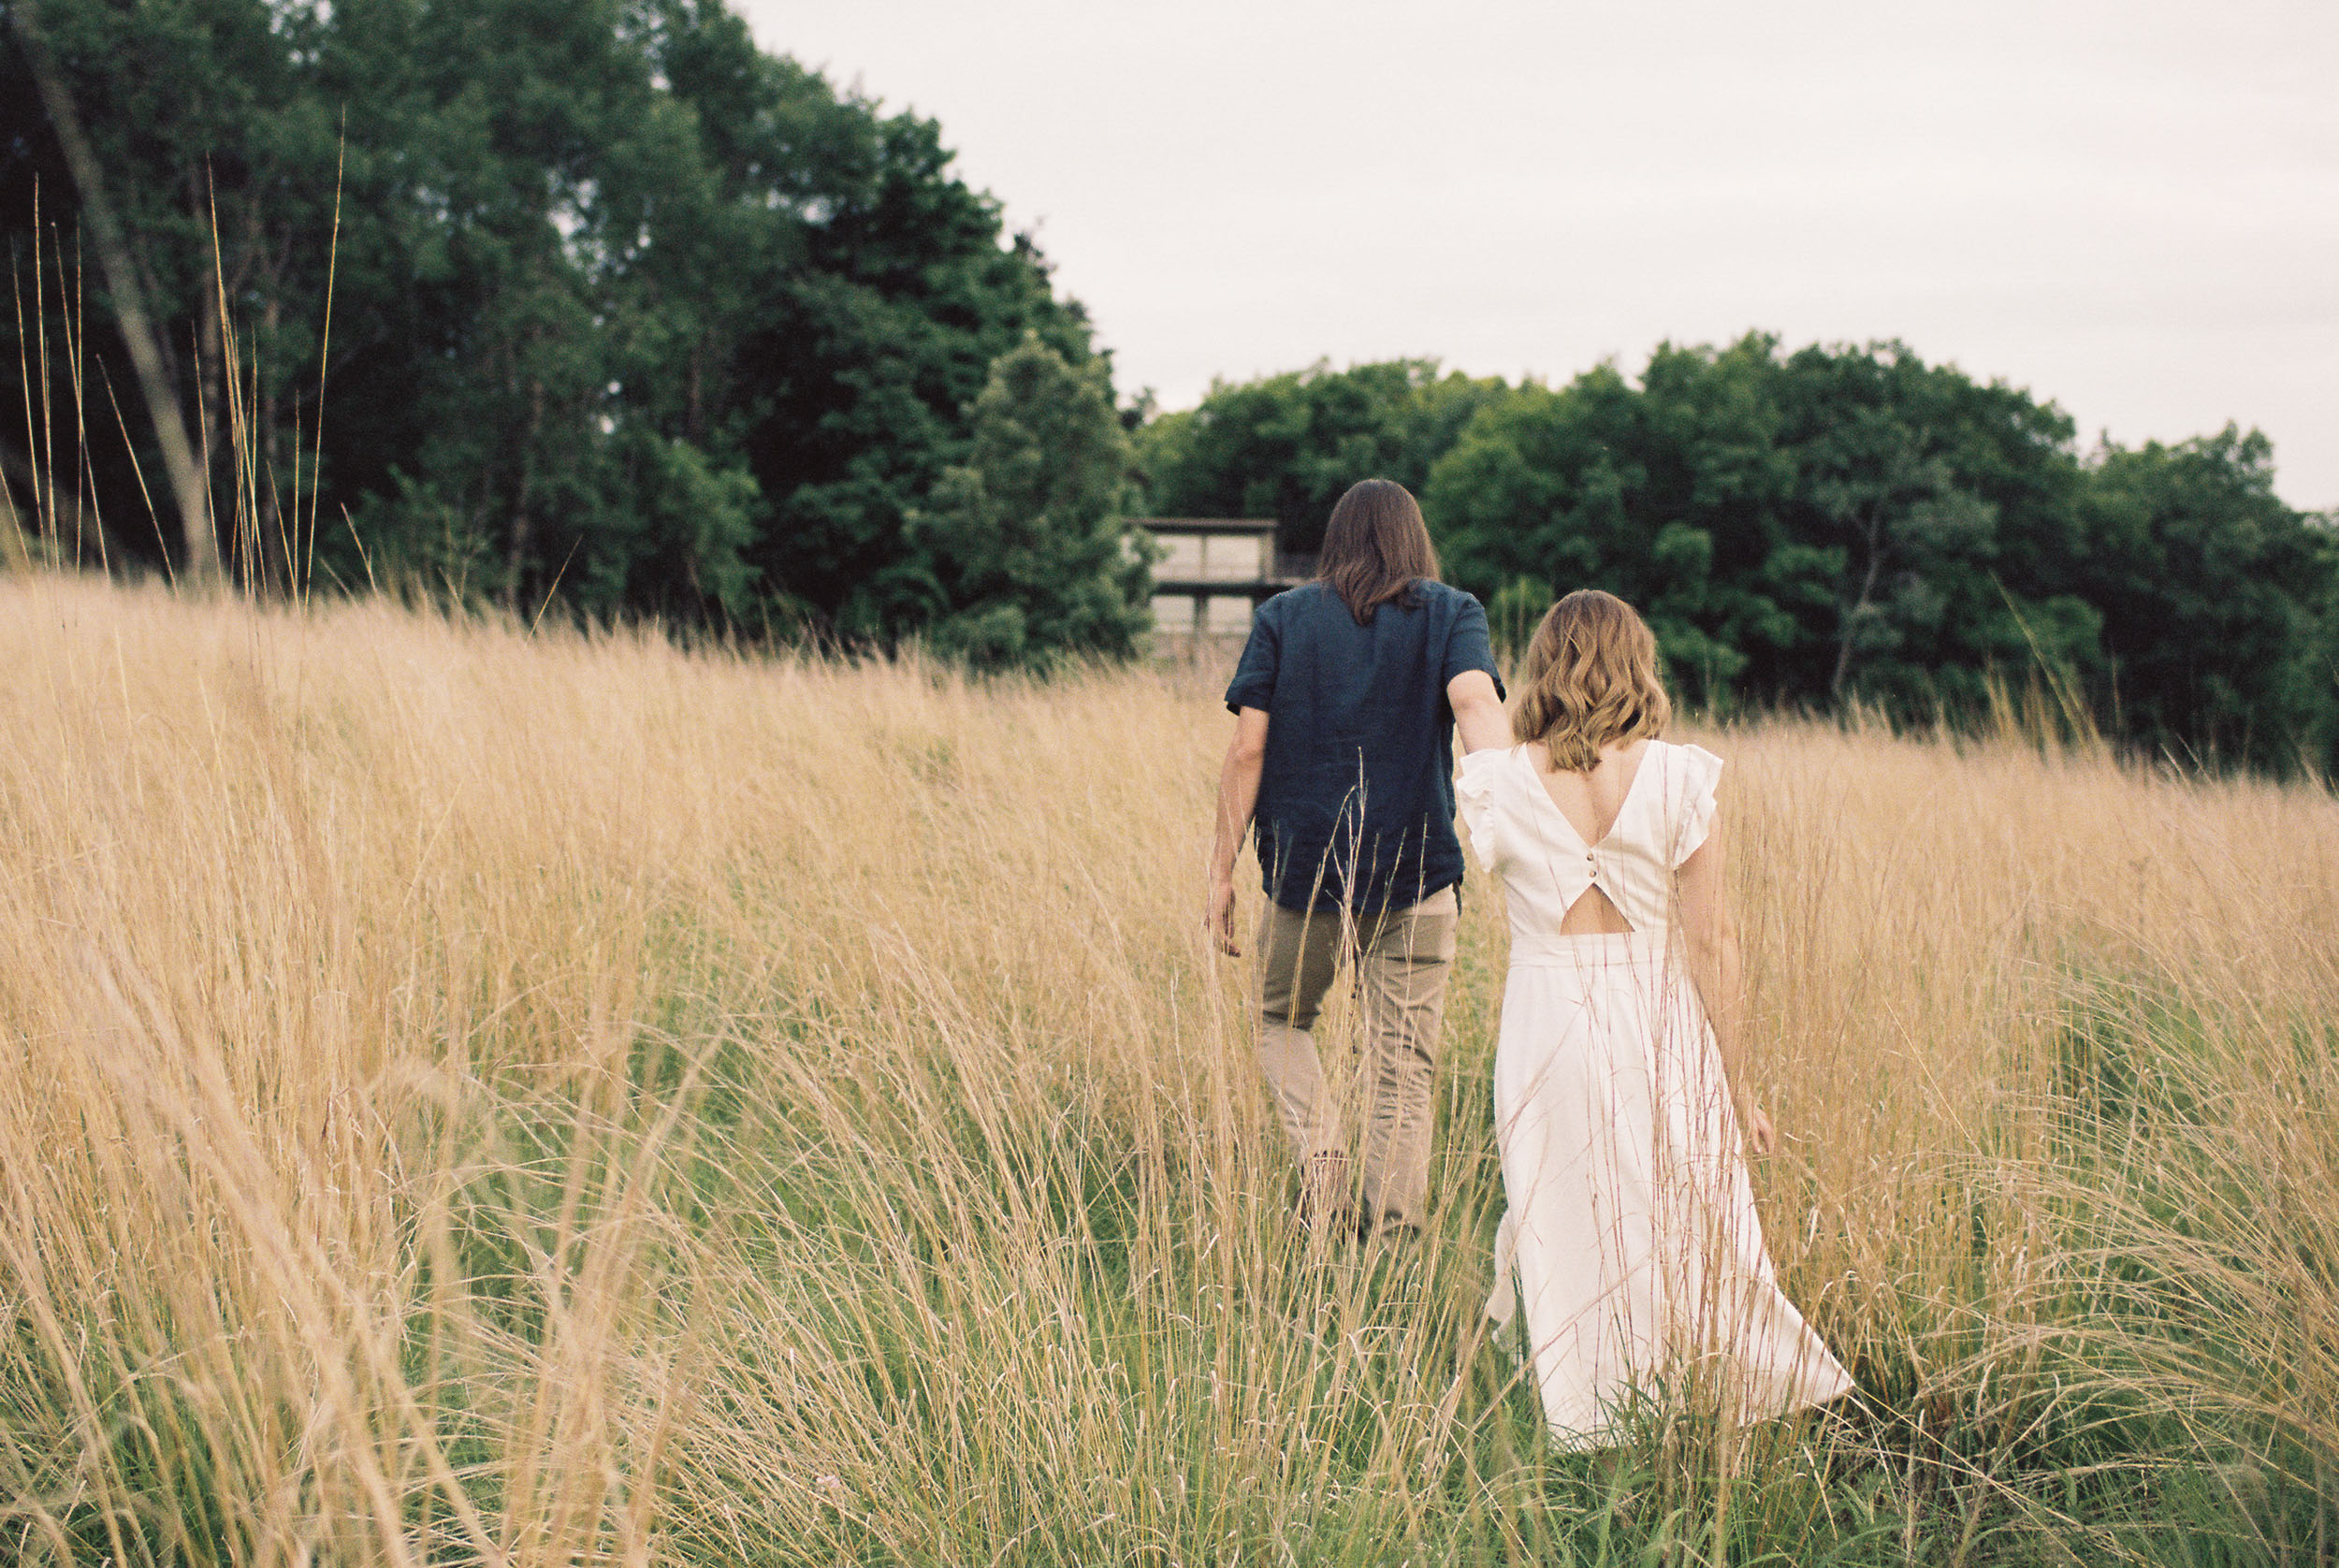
(1376, 548)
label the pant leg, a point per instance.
(1298, 953)
(1403, 960)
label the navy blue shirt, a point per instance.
(1355, 798)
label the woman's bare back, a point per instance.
(1592, 801)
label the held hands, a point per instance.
(1218, 916)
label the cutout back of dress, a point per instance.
(1548, 869)
(1591, 797)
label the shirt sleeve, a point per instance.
(1468, 646)
(1482, 818)
(1254, 683)
(1701, 771)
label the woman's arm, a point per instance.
(1478, 715)
(1238, 798)
(1712, 941)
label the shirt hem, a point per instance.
(1320, 905)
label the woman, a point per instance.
(1632, 1230)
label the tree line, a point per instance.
(596, 304)
(1809, 528)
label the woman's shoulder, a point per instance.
(1686, 753)
(1689, 768)
(1692, 773)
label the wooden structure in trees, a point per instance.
(1212, 572)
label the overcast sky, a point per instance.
(2130, 206)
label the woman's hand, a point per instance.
(1218, 916)
(1760, 1132)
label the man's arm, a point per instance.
(1238, 798)
(1479, 715)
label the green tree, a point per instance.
(1835, 523)
(1026, 549)
(2214, 598)
(1952, 504)
(866, 342)
(1286, 446)
(551, 264)
(1673, 495)
(623, 309)
(177, 108)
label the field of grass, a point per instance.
(469, 1096)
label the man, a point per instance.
(1346, 704)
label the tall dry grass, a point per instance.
(468, 1096)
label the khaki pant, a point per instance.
(1401, 958)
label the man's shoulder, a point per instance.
(1448, 608)
(1293, 604)
(1316, 601)
(1443, 596)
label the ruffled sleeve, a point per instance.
(1698, 772)
(1475, 795)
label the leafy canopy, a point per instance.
(1029, 555)
(1824, 526)
(623, 308)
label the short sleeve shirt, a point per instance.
(1356, 801)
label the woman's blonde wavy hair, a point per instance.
(1591, 681)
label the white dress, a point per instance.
(1632, 1234)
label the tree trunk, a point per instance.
(187, 486)
(1851, 617)
(517, 565)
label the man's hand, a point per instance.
(1238, 795)
(1218, 916)
(1760, 1132)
